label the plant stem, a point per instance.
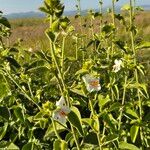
(52, 49)
(123, 101)
(113, 12)
(135, 63)
(98, 132)
(101, 12)
(63, 50)
(76, 48)
(113, 21)
(23, 91)
(75, 138)
(55, 129)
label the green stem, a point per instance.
(23, 91)
(101, 12)
(132, 3)
(76, 48)
(94, 114)
(75, 138)
(63, 50)
(123, 101)
(55, 129)
(113, 21)
(113, 12)
(52, 48)
(79, 11)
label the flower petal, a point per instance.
(61, 102)
(60, 118)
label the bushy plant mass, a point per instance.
(95, 99)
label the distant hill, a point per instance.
(30, 14)
(33, 14)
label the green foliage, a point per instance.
(113, 116)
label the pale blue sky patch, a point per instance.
(16, 6)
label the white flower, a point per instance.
(117, 65)
(61, 102)
(92, 83)
(61, 113)
(30, 50)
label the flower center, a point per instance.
(62, 113)
(94, 83)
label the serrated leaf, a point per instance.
(134, 132)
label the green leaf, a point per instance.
(4, 144)
(55, 25)
(115, 106)
(43, 9)
(12, 146)
(81, 72)
(4, 112)
(134, 132)
(143, 45)
(78, 91)
(19, 114)
(50, 131)
(125, 7)
(27, 146)
(60, 145)
(103, 101)
(124, 145)
(89, 147)
(50, 35)
(5, 22)
(13, 62)
(3, 130)
(91, 138)
(108, 28)
(132, 113)
(74, 118)
(110, 138)
(4, 90)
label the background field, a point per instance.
(31, 32)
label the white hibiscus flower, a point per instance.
(92, 83)
(117, 65)
(61, 113)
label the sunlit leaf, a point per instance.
(134, 132)
(124, 145)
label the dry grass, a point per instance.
(31, 31)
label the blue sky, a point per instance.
(11, 6)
